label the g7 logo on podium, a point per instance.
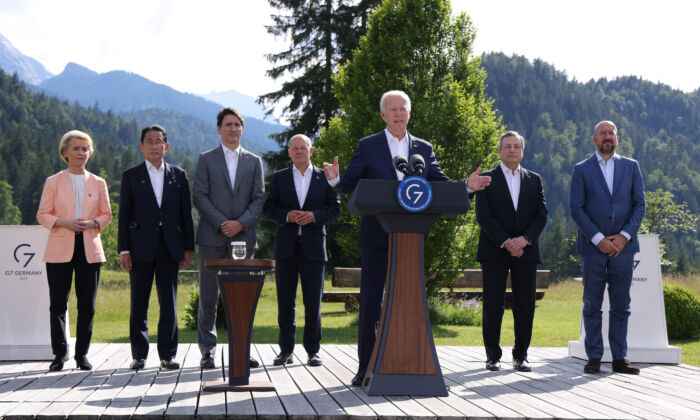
(414, 193)
(28, 255)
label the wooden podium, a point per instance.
(240, 283)
(404, 360)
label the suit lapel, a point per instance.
(241, 169)
(65, 184)
(90, 191)
(220, 161)
(145, 181)
(618, 174)
(314, 185)
(500, 182)
(168, 180)
(598, 173)
(524, 178)
(384, 150)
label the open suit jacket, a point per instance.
(372, 160)
(57, 202)
(595, 209)
(217, 200)
(500, 221)
(321, 199)
(140, 217)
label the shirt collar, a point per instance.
(600, 158)
(236, 152)
(151, 167)
(309, 169)
(506, 170)
(391, 137)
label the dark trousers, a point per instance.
(599, 271)
(60, 276)
(141, 277)
(373, 278)
(523, 284)
(287, 273)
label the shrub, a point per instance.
(460, 312)
(192, 310)
(682, 312)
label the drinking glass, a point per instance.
(238, 250)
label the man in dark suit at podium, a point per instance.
(301, 203)
(373, 160)
(512, 213)
(155, 237)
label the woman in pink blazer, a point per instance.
(75, 208)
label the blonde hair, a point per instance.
(66, 139)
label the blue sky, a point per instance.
(209, 45)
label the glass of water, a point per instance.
(238, 250)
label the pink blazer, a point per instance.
(57, 202)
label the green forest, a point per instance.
(659, 127)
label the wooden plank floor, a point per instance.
(556, 388)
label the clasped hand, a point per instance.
(77, 224)
(612, 245)
(516, 246)
(301, 217)
(231, 228)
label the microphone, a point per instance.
(401, 164)
(417, 163)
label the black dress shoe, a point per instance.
(253, 363)
(314, 360)
(137, 364)
(521, 365)
(57, 363)
(169, 364)
(359, 377)
(624, 366)
(82, 363)
(282, 359)
(493, 365)
(207, 362)
(593, 366)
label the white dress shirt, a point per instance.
(513, 181)
(231, 157)
(302, 181)
(397, 147)
(157, 176)
(607, 167)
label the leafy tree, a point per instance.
(665, 216)
(416, 46)
(9, 213)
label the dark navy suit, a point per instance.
(156, 238)
(595, 209)
(300, 255)
(372, 160)
(500, 221)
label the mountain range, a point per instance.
(190, 119)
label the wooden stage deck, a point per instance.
(557, 388)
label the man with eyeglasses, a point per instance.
(607, 204)
(512, 213)
(156, 237)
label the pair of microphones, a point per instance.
(416, 163)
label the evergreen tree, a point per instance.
(9, 213)
(416, 46)
(323, 34)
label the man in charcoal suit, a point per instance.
(228, 193)
(301, 203)
(607, 204)
(373, 160)
(155, 237)
(512, 213)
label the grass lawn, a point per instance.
(556, 318)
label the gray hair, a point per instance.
(511, 133)
(68, 137)
(399, 93)
(306, 139)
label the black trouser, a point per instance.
(373, 278)
(60, 276)
(287, 273)
(523, 284)
(141, 278)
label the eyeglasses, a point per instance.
(153, 143)
(607, 133)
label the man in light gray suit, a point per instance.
(229, 193)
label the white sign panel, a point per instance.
(647, 339)
(24, 294)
